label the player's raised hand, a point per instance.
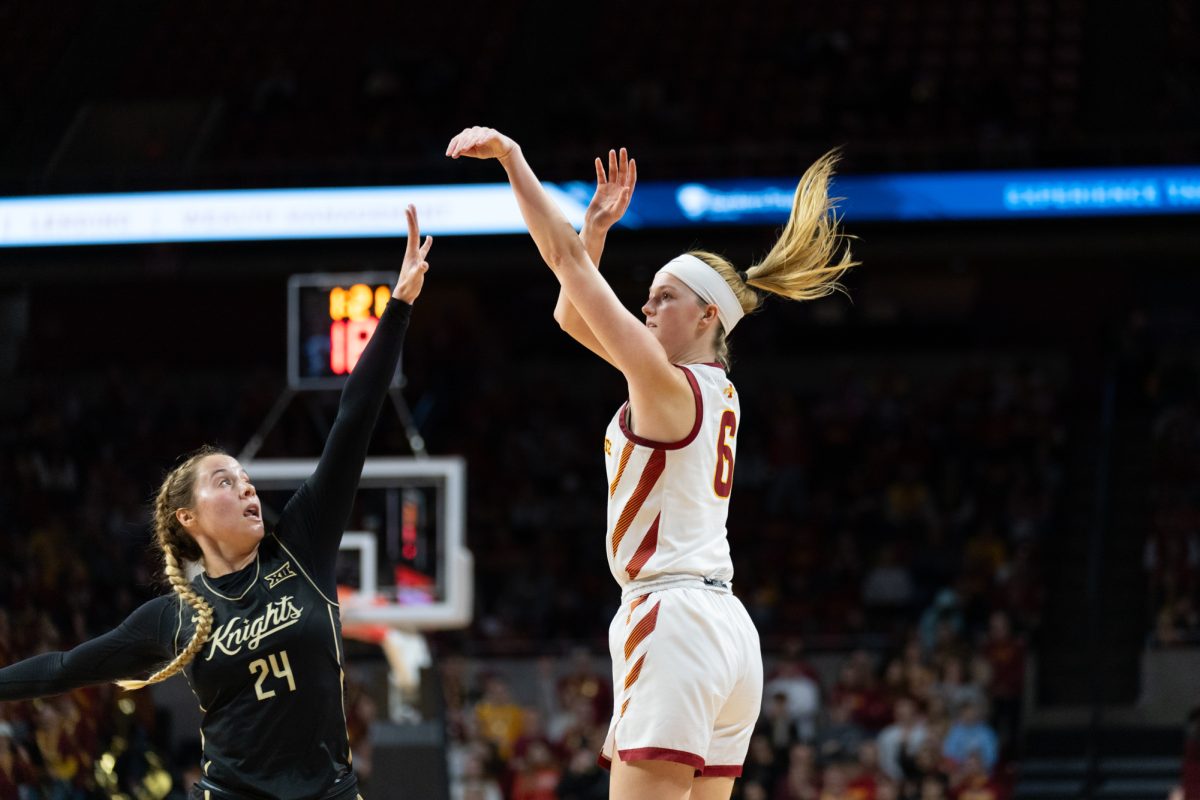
(480, 143)
(614, 190)
(412, 271)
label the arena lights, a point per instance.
(346, 213)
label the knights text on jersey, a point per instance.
(271, 672)
(668, 501)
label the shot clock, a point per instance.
(331, 317)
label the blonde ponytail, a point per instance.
(177, 545)
(805, 262)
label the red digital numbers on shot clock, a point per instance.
(331, 317)
(353, 315)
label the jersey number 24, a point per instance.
(281, 668)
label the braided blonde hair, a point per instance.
(176, 545)
(805, 262)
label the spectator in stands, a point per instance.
(856, 687)
(500, 719)
(902, 739)
(793, 680)
(840, 736)
(835, 782)
(945, 614)
(918, 675)
(1178, 622)
(888, 588)
(866, 775)
(934, 786)
(927, 761)
(973, 781)
(801, 781)
(777, 722)
(753, 790)
(532, 732)
(584, 679)
(474, 783)
(583, 779)
(1006, 654)
(537, 775)
(971, 734)
(17, 774)
(761, 762)
(954, 690)
(909, 506)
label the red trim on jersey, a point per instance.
(662, 754)
(636, 672)
(650, 475)
(720, 771)
(604, 762)
(623, 420)
(643, 629)
(626, 452)
(645, 550)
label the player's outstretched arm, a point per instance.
(141, 644)
(658, 391)
(315, 517)
(614, 190)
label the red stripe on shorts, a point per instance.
(632, 676)
(643, 629)
(634, 605)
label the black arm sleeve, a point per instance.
(142, 643)
(314, 518)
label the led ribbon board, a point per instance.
(270, 214)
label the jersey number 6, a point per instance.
(723, 478)
(261, 669)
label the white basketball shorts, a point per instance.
(687, 680)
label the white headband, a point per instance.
(708, 283)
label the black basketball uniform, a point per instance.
(269, 678)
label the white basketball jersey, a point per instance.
(667, 502)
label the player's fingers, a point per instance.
(632, 174)
(452, 148)
(464, 142)
(414, 235)
(624, 164)
(600, 178)
(613, 173)
(425, 247)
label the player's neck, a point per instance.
(695, 355)
(217, 562)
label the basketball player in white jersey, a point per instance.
(687, 667)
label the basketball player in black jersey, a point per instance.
(257, 633)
